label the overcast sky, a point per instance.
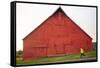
(29, 16)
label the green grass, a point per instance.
(91, 54)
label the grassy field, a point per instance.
(65, 58)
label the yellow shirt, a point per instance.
(81, 50)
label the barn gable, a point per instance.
(60, 12)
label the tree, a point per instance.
(19, 53)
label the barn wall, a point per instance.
(57, 36)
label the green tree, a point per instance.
(19, 53)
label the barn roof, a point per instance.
(61, 10)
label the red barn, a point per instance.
(56, 36)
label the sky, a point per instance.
(29, 16)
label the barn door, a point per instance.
(39, 52)
(59, 49)
(70, 49)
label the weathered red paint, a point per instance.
(56, 36)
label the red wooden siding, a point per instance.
(56, 36)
